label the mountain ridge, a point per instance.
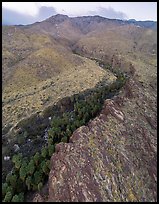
(143, 23)
(45, 64)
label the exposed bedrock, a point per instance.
(113, 158)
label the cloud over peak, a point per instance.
(108, 13)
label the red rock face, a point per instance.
(113, 109)
(113, 158)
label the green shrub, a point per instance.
(51, 149)
(38, 177)
(13, 180)
(4, 188)
(10, 189)
(48, 164)
(36, 158)
(44, 152)
(28, 182)
(8, 177)
(40, 185)
(23, 173)
(21, 197)
(17, 160)
(44, 167)
(50, 141)
(68, 132)
(15, 198)
(51, 133)
(31, 167)
(8, 197)
(20, 186)
(64, 139)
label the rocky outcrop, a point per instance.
(113, 158)
(38, 198)
(57, 19)
(113, 109)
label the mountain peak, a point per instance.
(59, 18)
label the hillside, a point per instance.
(74, 70)
(38, 71)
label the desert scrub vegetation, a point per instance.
(30, 173)
(71, 81)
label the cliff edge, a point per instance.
(114, 157)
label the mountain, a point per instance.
(144, 24)
(31, 62)
(48, 66)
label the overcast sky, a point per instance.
(30, 12)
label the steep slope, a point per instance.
(114, 157)
(60, 27)
(123, 40)
(37, 71)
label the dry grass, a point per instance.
(24, 101)
(39, 70)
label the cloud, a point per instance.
(10, 17)
(108, 13)
(45, 12)
(30, 8)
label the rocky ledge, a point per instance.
(113, 158)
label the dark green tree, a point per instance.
(28, 182)
(51, 133)
(21, 197)
(38, 177)
(15, 198)
(10, 189)
(44, 167)
(50, 141)
(40, 185)
(4, 188)
(44, 152)
(8, 177)
(68, 132)
(37, 158)
(17, 160)
(13, 180)
(20, 185)
(64, 139)
(51, 149)
(48, 164)
(23, 171)
(31, 167)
